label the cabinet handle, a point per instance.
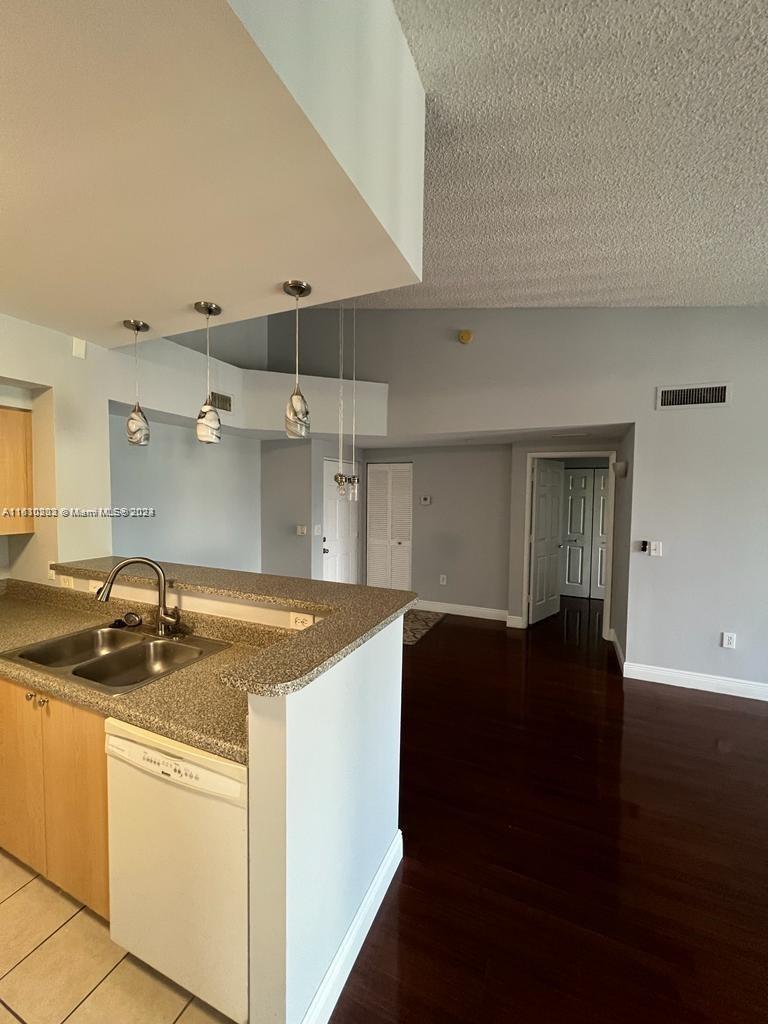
(29, 696)
(42, 701)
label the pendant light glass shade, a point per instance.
(297, 422)
(208, 426)
(137, 425)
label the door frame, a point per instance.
(610, 454)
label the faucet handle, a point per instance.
(132, 619)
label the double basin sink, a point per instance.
(115, 659)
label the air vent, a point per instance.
(693, 394)
(221, 402)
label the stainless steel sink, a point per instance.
(124, 669)
(79, 647)
(115, 660)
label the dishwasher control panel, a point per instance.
(176, 769)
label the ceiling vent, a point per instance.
(221, 402)
(693, 394)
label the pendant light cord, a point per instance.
(341, 389)
(354, 383)
(208, 357)
(297, 342)
(136, 361)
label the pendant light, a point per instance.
(208, 426)
(339, 477)
(297, 410)
(353, 481)
(137, 427)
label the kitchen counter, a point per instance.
(205, 704)
(351, 616)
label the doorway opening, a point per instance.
(569, 533)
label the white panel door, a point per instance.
(390, 525)
(599, 534)
(340, 529)
(546, 526)
(577, 532)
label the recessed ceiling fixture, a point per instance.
(208, 426)
(339, 477)
(297, 410)
(137, 427)
(353, 482)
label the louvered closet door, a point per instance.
(390, 525)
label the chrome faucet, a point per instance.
(167, 618)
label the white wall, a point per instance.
(348, 66)
(207, 497)
(695, 484)
(324, 766)
(464, 533)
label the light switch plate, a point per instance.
(301, 531)
(655, 549)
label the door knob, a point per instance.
(42, 701)
(29, 696)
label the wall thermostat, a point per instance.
(425, 499)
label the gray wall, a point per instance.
(207, 497)
(464, 533)
(286, 502)
(695, 485)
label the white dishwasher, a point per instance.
(178, 863)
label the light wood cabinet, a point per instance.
(53, 792)
(15, 469)
(22, 798)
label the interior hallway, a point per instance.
(578, 847)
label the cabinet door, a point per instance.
(15, 468)
(22, 806)
(75, 770)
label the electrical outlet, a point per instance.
(51, 571)
(301, 531)
(301, 620)
(67, 582)
(94, 586)
(728, 640)
(443, 580)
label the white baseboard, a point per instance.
(515, 622)
(697, 681)
(327, 995)
(617, 647)
(464, 609)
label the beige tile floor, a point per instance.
(58, 963)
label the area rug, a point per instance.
(417, 624)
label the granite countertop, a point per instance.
(205, 704)
(351, 615)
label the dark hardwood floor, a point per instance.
(579, 848)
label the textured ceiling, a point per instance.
(608, 153)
